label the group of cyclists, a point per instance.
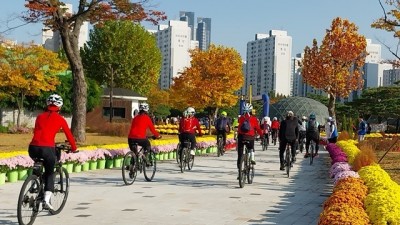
(291, 131)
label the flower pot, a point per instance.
(198, 151)
(30, 171)
(12, 176)
(117, 162)
(158, 156)
(22, 173)
(101, 164)
(92, 165)
(109, 163)
(77, 167)
(70, 167)
(208, 150)
(2, 178)
(171, 155)
(85, 166)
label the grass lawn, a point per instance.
(391, 164)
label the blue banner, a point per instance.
(241, 105)
(265, 99)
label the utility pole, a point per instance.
(111, 92)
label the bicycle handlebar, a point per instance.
(62, 146)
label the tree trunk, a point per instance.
(331, 105)
(70, 43)
(20, 107)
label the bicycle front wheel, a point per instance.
(219, 147)
(149, 166)
(287, 160)
(61, 190)
(183, 159)
(28, 202)
(129, 170)
(177, 154)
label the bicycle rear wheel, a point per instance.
(287, 161)
(28, 202)
(150, 166)
(242, 171)
(250, 172)
(190, 160)
(312, 152)
(129, 171)
(61, 190)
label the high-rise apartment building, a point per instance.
(52, 40)
(268, 63)
(201, 31)
(174, 43)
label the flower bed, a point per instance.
(165, 149)
(371, 186)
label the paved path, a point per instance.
(209, 194)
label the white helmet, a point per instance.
(247, 108)
(304, 118)
(55, 99)
(190, 111)
(185, 113)
(144, 106)
(275, 118)
(290, 113)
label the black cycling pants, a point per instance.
(308, 141)
(48, 154)
(187, 136)
(240, 144)
(282, 148)
(223, 133)
(144, 143)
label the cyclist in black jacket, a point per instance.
(288, 133)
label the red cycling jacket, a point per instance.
(189, 125)
(139, 126)
(253, 123)
(47, 125)
(275, 125)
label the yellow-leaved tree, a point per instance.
(210, 81)
(336, 66)
(27, 71)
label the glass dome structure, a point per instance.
(301, 106)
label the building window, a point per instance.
(118, 112)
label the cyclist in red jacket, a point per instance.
(42, 146)
(187, 129)
(275, 125)
(140, 124)
(247, 135)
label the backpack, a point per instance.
(312, 126)
(221, 124)
(245, 127)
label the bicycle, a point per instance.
(274, 136)
(31, 196)
(312, 150)
(185, 158)
(288, 157)
(220, 145)
(143, 162)
(246, 169)
(265, 142)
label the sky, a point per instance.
(235, 22)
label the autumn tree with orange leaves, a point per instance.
(390, 22)
(55, 16)
(27, 71)
(210, 81)
(336, 66)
